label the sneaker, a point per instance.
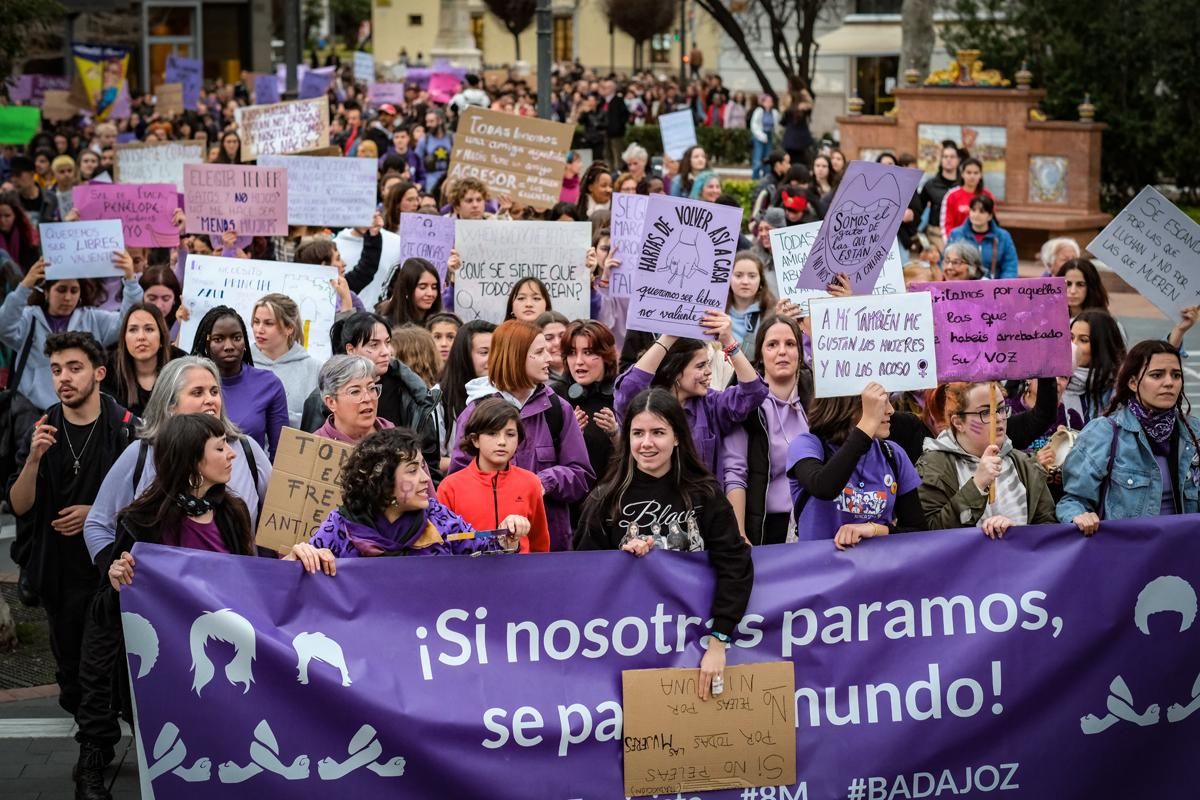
(109, 755)
(90, 783)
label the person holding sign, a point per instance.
(1141, 459)
(57, 306)
(972, 475)
(413, 294)
(659, 495)
(847, 483)
(996, 248)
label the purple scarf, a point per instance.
(380, 537)
(1158, 425)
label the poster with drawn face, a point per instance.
(683, 271)
(860, 226)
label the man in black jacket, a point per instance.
(617, 119)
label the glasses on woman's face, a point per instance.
(955, 262)
(985, 416)
(357, 394)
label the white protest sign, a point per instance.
(211, 281)
(790, 247)
(678, 131)
(496, 255)
(625, 243)
(157, 162)
(281, 128)
(364, 67)
(81, 249)
(1155, 247)
(332, 192)
(887, 339)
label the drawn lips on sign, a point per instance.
(854, 233)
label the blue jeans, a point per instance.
(758, 154)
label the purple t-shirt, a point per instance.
(869, 496)
(197, 536)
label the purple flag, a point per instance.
(145, 210)
(1000, 330)
(684, 266)
(429, 237)
(861, 224)
(266, 89)
(1046, 665)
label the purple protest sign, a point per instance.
(189, 72)
(145, 210)
(315, 82)
(427, 236)
(860, 226)
(684, 266)
(266, 89)
(250, 200)
(1000, 330)
(625, 243)
(443, 87)
(379, 93)
(937, 659)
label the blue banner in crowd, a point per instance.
(927, 665)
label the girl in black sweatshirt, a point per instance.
(657, 494)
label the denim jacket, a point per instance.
(1135, 486)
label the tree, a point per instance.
(641, 21)
(516, 16)
(22, 18)
(917, 35)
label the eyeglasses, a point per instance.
(985, 416)
(357, 394)
(955, 262)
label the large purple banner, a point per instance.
(927, 665)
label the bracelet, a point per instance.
(732, 350)
(721, 637)
(663, 346)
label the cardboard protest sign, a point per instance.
(190, 73)
(443, 87)
(332, 192)
(19, 124)
(673, 742)
(684, 266)
(315, 83)
(81, 249)
(283, 128)
(1155, 247)
(266, 90)
(250, 200)
(57, 105)
(427, 236)
(860, 226)
(170, 99)
(496, 255)
(1000, 330)
(678, 131)
(303, 489)
(519, 156)
(145, 210)
(211, 281)
(625, 242)
(364, 67)
(886, 338)
(156, 162)
(379, 93)
(790, 247)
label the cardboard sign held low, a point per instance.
(674, 742)
(303, 489)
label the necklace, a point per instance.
(83, 449)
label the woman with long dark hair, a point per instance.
(658, 495)
(528, 300)
(589, 354)
(797, 138)
(414, 293)
(1142, 459)
(956, 205)
(693, 162)
(468, 360)
(1097, 350)
(143, 349)
(161, 288)
(595, 190)
(17, 236)
(230, 151)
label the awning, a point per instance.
(861, 39)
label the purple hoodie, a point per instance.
(564, 469)
(711, 417)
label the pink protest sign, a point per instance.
(429, 237)
(1000, 330)
(860, 226)
(443, 86)
(380, 93)
(145, 210)
(249, 200)
(684, 266)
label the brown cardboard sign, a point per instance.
(281, 129)
(170, 99)
(674, 742)
(57, 105)
(303, 489)
(522, 157)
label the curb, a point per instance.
(29, 693)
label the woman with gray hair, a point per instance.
(188, 385)
(350, 391)
(636, 158)
(1056, 252)
(961, 262)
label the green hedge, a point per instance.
(740, 191)
(727, 146)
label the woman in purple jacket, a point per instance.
(553, 447)
(682, 366)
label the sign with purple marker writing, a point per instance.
(625, 244)
(429, 237)
(222, 197)
(684, 266)
(861, 224)
(145, 210)
(81, 249)
(1000, 330)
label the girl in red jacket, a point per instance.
(490, 493)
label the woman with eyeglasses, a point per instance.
(961, 261)
(960, 468)
(350, 391)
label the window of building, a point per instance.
(415, 20)
(661, 47)
(477, 31)
(876, 82)
(877, 6)
(564, 39)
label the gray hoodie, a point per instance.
(298, 372)
(1011, 494)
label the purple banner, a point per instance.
(1000, 330)
(380, 93)
(189, 72)
(266, 89)
(1044, 664)
(145, 210)
(315, 82)
(429, 237)
(860, 226)
(684, 266)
